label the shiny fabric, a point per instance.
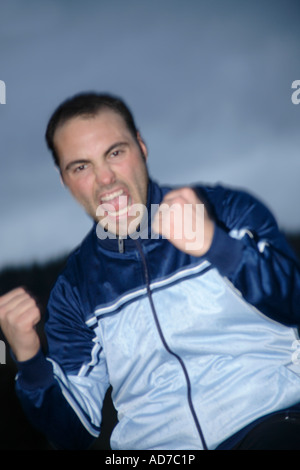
(195, 348)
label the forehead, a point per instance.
(104, 123)
(82, 136)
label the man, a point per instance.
(195, 334)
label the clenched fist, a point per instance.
(18, 316)
(184, 221)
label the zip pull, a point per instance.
(121, 245)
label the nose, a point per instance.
(104, 175)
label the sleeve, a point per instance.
(62, 393)
(250, 251)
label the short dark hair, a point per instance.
(86, 104)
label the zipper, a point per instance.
(179, 359)
(121, 245)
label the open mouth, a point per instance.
(116, 203)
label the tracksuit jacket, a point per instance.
(196, 350)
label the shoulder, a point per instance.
(235, 206)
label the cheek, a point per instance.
(142, 184)
(82, 190)
(139, 175)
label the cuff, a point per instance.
(225, 252)
(35, 373)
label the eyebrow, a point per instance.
(82, 161)
(117, 144)
(76, 162)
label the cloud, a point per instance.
(208, 82)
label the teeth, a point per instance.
(120, 212)
(111, 196)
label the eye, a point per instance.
(80, 168)
(115, 153)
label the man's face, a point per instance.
(102, 164)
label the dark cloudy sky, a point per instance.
(209, 83)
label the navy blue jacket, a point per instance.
(195, 349)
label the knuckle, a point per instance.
(188, 192)
(9, 318)
(4, 312)
(20, 290)
(31, 301)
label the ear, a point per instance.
(142, 145)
